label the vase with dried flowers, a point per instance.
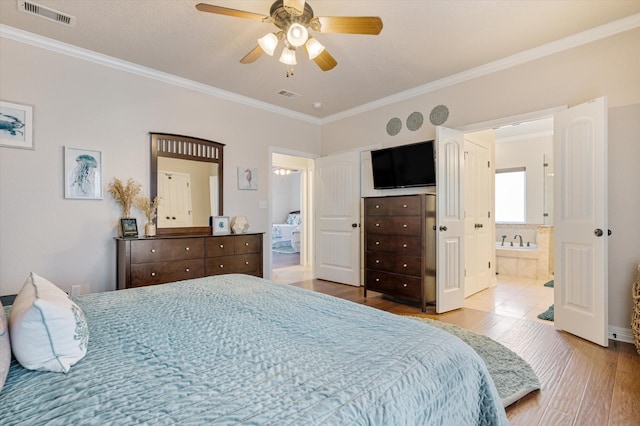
(124, 194)
(150, 210)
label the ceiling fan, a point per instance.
(294, 18)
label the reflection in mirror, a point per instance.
(189, 192)
(186, 173)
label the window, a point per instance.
(510, 195)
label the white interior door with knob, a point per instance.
(580, 219)
(337, 195)
(450, 219)
(174, 189)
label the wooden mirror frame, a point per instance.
(185, 148)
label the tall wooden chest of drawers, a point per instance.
(158, 260)
(400, 247)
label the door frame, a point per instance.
(309, 227)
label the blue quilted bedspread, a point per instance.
(235, 349)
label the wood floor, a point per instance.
(582, 383)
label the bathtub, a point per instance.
(516, 246)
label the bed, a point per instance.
(236, 349)
(287, 235)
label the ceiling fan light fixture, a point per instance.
(314, 48)
(288, 56)
(297, 34)
(268, 43)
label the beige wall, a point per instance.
(82, 104)
(609, 67)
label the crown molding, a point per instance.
(130, 67)
(575, 40)
(579, 39)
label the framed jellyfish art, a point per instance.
(16, 125)
(82, 174)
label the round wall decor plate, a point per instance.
(393, 126)
(414, 121)
(439, 115)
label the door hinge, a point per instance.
(489, 215)
(465, 272)
(489, 164)
(489, 265)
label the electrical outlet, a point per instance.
(76, 290)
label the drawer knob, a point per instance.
(404, 266)
(186, 270)
(377, 261)
(377, 280)
(221, 266)
(404, 285)
(377, 224)
(246, 263)
(186, 248)
(221, 245)
(377, 243)
(377, 206)
(404, 206)
(153, 274)
(404, 226)
(153, 250)
(404, 246)
(246, 244)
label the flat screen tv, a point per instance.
(404, 166)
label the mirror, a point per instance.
(186, 173)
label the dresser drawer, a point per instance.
(393, 225)
(409, 205)
(402, 286)
(219, 246)
(163, 272)
(248, 244)
(401, 244)
(393, 263)
(164, 250)
(238, 264)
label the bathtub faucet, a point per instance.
(519, 236)
(503, 237)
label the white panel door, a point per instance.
(337, 218)
(175, 190)
(450, 219)
(580, 219)
(478, 238)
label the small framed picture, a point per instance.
(82, 174)
(16, 130)
(247, 178)
(220, 225)
(129, 228)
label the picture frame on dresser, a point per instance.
(220, 225)
(129, 228)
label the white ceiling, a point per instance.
(422, 42)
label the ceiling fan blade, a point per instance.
(252, 56)
(203, 7)
(370, 25)
(295, 5)
(325, 61)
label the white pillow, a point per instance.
(5, 348)
(48, 330)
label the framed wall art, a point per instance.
(220, 225)
(16, 125)
(82, 174)
(247, 178)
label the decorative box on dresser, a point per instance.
(400, 247)
(158, 260)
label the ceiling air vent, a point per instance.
(288, 94)
(46, 13)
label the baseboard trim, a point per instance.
(621, 334)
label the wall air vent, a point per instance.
(288, 94)
(46, 13)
